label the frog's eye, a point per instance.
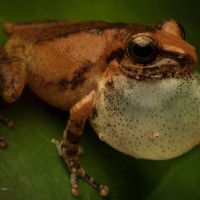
(142, 49)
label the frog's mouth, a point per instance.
(163, 68)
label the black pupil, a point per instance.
(142, 50)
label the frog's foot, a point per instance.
(9, 123)
(3, 143)
(70, 149)
(76, 172)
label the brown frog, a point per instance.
(135, 83)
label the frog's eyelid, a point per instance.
(172, 26)
(182, 30)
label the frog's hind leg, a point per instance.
(70, 145)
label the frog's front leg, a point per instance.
(12, 80)
(12, 74)
(70, 145)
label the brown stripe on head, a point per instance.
(115, 54)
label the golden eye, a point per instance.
(142, 49)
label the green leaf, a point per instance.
(30, 167)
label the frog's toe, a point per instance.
(9, 123)
(75, 191)
(103, 190)
(3, 143)
(74, 185)
(58, 146)
(81, 150)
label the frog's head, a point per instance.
(145, 119)
(158, 52)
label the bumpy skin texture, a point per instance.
(135, 74)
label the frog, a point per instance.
(136, 84)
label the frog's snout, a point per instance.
(191, 54)
(194, 57)
(189, 58)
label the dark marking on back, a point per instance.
(46, 31)
(79, 76)
(78, 79)
(63, 84)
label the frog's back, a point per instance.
(41, 31)
(63, 58)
